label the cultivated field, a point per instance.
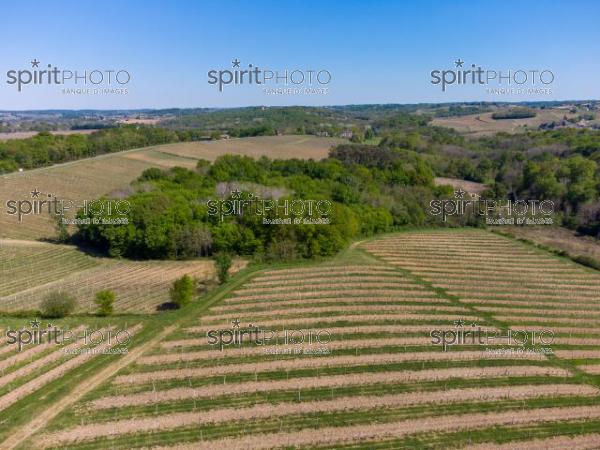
(46, 369)
(482, 124)
(91, 178)
(30, 270)
(375, 380)
(558, 238)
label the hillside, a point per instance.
(90, 178)
(379, 380)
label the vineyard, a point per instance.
(373, 378)
(29, 271)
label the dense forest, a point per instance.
(169, 215)
(380, 180)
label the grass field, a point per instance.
(30, 270)
(91, 178)
(483, 125)
(379, 382)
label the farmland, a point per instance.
(558, 238)
(377, 381)
(30, 270)
(477, 125)
(91, 178)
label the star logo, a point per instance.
(459, 323)
(236, 193)
(35, 193)
(459, 193)
(236, 323)
(35, 63)
(35, 323)
(459, 62)
(235, 63)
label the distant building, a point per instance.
(346, 134)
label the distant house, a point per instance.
(225, 136)
(322, 133)
(346, 134)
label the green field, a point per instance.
(379, 382)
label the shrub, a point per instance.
(182, 291)
(57, 304)
(223, 262)
(104, 300)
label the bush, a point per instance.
(57, 304)
(104, 300)
(182, 291)
(223, 262)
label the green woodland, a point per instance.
(379, 181)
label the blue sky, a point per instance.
(376, 51)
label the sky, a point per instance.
(375, 51)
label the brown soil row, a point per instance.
(357, 318)
(176, 394)
(230, 305)
(215, 353)
(578, 354)
(332, 436)
(584, 321)
(333, 309)
(510, 275)
(327, 284)
(57, 372)
(478, 302)
(580, 442)
(321, 269)
(316, 305)
(327, 277)
(572, 296)
(391, 328)
(550, 313)
(57, 354)
(266, 411)
(320, 362)
(332, 293)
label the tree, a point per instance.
(192, 241)
(223, 263)
(62, 233)
(104, 300)
(57, 304)
(182, 291)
